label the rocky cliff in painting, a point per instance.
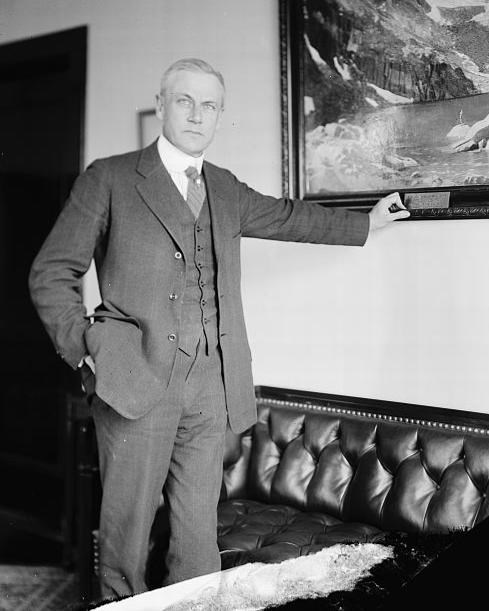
(392, 90)
(357, 50)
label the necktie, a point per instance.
(195, 190)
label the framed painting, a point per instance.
(387, 96)
(149, 127)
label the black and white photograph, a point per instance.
(244, 296)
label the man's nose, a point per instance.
(195, 114)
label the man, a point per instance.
(165, 356)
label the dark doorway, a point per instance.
(42, 104)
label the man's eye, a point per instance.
(210, 107)
(185, 102)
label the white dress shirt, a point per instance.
(176, 162)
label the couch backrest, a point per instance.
(394, 473)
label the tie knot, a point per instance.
(192, 173)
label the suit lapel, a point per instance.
(220, 206)
(163, 198)
(159, 191)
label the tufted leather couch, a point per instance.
(317, 470)
(320, 469)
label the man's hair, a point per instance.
(193, 65)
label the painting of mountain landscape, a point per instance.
(394, 95)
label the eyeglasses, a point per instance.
(189, 104)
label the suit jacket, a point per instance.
(122, 211)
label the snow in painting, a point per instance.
(395, 94)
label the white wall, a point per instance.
(405, 318)
(131, 42)
(402, 319)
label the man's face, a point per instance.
(190, 110)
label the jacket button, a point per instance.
(172, 296)
(172, 337)
(178, 255)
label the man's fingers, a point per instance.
(389, 208)
(401, 214)
(393, 199)
(392, 205)
(89, 361)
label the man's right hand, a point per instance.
(87, 379)
(90, 362)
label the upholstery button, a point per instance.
(172, 296)
(178, 255)
(172, 337)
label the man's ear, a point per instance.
(159, 106)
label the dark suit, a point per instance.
(122, 209)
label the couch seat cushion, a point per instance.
(250, 531)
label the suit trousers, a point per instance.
(177, 446)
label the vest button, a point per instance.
(178, 255)
(172, 296)
(172, 337)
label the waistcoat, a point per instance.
(199, 303)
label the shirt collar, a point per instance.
(176, 160)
